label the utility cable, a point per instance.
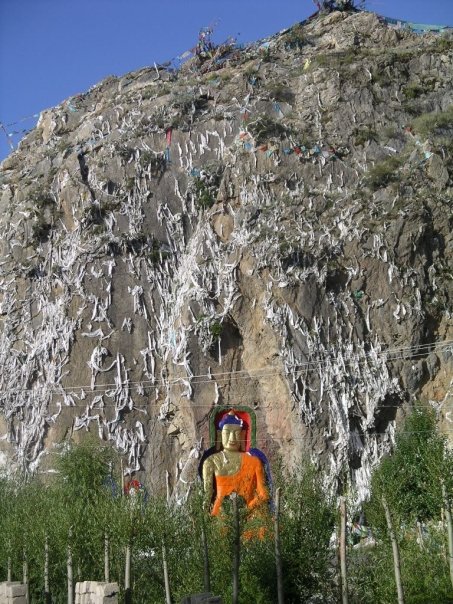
(405, 353)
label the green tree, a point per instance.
(308, 521)
(86, 505)
(410, 479)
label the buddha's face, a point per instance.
(231, 437)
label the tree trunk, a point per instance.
(47, 597)
(278, 558)
(206, 569)
(167, 482)
(447, 505)
(106, 559)
(343, 565)
(70, 573)
(127, 576)
(25, 578)
(420, 535)
(166, 579)
(236, 550)
(396, 553)
(9, 574)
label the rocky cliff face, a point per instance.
(269, 228)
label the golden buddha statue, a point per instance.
(231, 470)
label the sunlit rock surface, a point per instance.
(272, 229)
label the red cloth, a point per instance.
(133, 484)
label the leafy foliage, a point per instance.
(295, 39)
(264, 128)
(410, 479)
(203, 194)
(81, 505)
(384, 172)
(425, 575)
(435, 123)
(307, 524)
(412, 476)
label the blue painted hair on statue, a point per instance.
(230, 418)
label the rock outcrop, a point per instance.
(269, 227)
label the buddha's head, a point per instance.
(231, 427)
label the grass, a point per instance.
(215, 330)
(162, 91)
(413, 107)
(295, 38)
(364, 134)
(334, 60)
(203, 195)
(412, 91)
(443, 44)
(384, 172)
(263, 128)
(149, 92)
(279, 92)
(391, 132)
(436, 123)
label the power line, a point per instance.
(404, 353)
(24, 119)
(398, 432)
(8, 138)
(232, 406)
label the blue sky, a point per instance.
(53, 49)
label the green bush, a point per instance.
(410, 479)
(279, 92)
(412, 91)
(203, 195)
(79, 506)
(364, 134)
(295, 39)
(425, 575)
(216, 329)
(384, 172)
(443, 44)
(264, 128)
(308, 521)
(435, 123)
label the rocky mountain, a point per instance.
(266, 226)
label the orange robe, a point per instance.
(249, 482)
